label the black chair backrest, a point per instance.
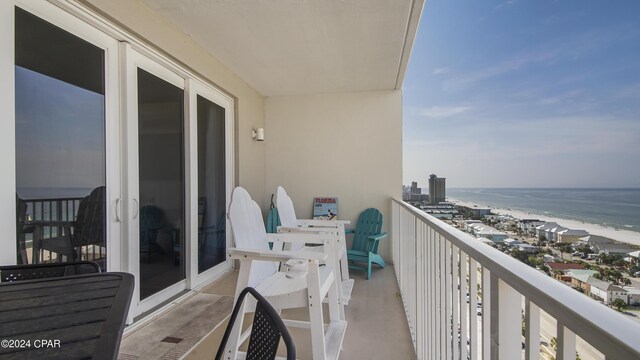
(13, 273)
(266, 331)
(89, 225)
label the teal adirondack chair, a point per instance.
(366, 237)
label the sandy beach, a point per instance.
(621, 235)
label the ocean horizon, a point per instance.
(618, 208)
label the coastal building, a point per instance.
(478, 211)
(613, 249)
(606, 291)
(415, 193)
(564, 267)
(492, 234)
(634, 295)
(633, 257)
(579, 278)
(469, 223)
(560, 269)
(595, 239)
(527, 248)
(437, 190)
(540, 231)
(414, 188)
(528, 226)
(571, 236)
(512, 242)
(552, 233)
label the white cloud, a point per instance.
(440, 71)
(439, 112)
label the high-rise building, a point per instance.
(437, 192)
(414, 188)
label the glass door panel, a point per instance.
(211, 184)
(60, 144)
(161, 183)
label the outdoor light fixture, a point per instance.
(257, 134)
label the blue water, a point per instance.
(618, 208)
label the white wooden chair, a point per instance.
(302, 286)
(291, 224)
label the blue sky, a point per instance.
(531, 93)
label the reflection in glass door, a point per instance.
(211, 184)
(161, 183)
(60, 144)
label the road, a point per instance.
(548, 330)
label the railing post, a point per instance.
(532, 331)
(566, 342)
(464, 313)
(443, 297)
(455, 302)
(509, 321)
(473, 308)
(487, 312)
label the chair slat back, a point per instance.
(287, 212)
(369, 223)
(89, 225)
(249, 233)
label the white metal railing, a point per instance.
(437, 265)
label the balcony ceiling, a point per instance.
(290, 47)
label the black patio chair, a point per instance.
(266, 331)
(11, 273)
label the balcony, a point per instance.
(520, 309)
(516, 309)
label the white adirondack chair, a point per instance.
(304, 286)
(291, 224)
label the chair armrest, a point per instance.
(277, 256)
(350, 231)
(323, 223)
(307, 238)
(378, 236)
(306, 230)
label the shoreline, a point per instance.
(619, 235)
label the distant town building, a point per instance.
(610, 249)
(634, 295)
(571, 236)
(414, 188)
(595, 239)
(541, 229)
(437, 192)
(606, 291)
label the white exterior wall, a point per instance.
(148, 25)
(618, 295)
(599, 293)
(347, 145)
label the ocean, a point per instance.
(617, 208)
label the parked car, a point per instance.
(636, 274)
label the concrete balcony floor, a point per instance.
(377, 327)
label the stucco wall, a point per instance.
(347, 145)
(141, 20)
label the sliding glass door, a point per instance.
(161, 183)
(61, 170)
